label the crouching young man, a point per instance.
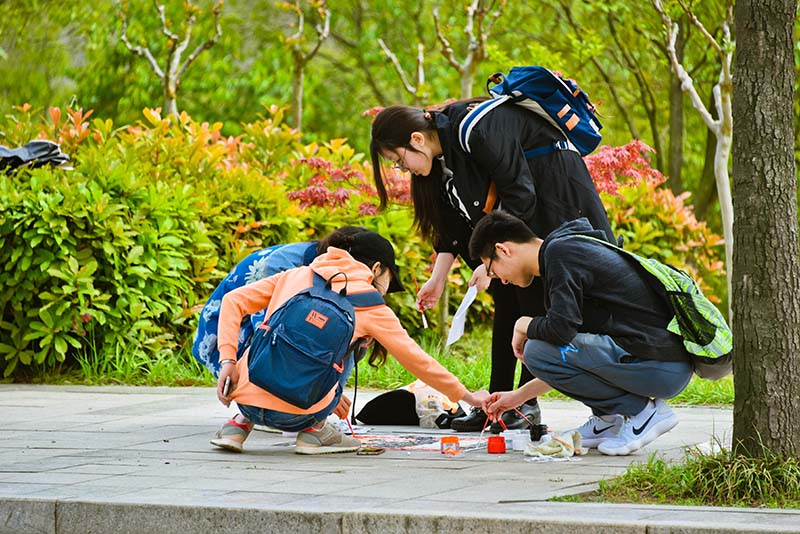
(603, 339)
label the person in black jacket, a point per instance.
(603, 339)
(451, 191)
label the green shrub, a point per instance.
(129, 243)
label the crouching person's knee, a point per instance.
(540, 357)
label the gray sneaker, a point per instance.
(326, 440)
(232, 435)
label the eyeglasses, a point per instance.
(489, 272)
(400, 164)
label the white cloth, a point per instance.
(563, 446)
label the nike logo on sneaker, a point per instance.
(639, 430)
(601, 430)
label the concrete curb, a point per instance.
(83, 517)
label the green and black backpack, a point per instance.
(706, 335)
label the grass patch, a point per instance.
(469, 359)
(701, 391)
(131, 368)
(719, 479)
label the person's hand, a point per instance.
(479, 278)
(498, 403)
(520, 336)
(227, 370)
(343, 408)
(429, 294)
(477, 398)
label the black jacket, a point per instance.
(592, 288)
(544, 191)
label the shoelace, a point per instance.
(626, 422)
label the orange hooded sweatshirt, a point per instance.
(377, 322)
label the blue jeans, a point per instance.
(290, 422)
(599, 373)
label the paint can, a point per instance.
(496, 445)
(450, 445)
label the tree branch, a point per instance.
(694, 20)
(687, 83)
(488, 25)
(603, 74)
(139, 50)
(301, 21)
(447, 49)
(209, 42)
(163, 17)
(397, 67)
(322, 32)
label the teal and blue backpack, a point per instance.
(706, 335)
(558, 100)
(298, 353)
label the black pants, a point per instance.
(510, 303)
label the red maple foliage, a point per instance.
(615, 166)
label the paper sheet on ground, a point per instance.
(460, 318)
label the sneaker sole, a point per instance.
(592, 443)
(227, 444)
(658, 430)
(326, 449)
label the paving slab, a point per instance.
(127, 459)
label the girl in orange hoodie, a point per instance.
(368, 260)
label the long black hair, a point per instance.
(392, 129)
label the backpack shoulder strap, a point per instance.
(650, 278)
(367, 299)
(471, 119)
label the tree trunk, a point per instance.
(171, 106)
(170, 100)
(297, 94)
(766, 277)
(652, 117)
(467, 80)
(722, 155)
(707, 187)
(676, 122)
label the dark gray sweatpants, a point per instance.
(599, 373)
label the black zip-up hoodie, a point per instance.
(543, 191)
(594, 289)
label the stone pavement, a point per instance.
(130, 460)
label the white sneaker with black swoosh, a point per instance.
(598, 429)
(637, 431)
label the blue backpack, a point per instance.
(298, 354)
(559, 101)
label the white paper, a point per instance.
(460, 318)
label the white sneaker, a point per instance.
(637, 431)
(598, 429)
